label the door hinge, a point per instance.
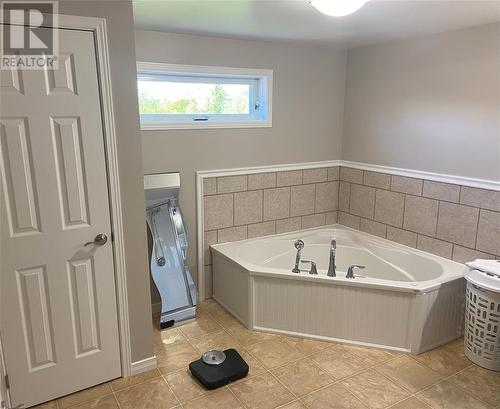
(112, 237)
(7, 382)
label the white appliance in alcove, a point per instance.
(169, 268)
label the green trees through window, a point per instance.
(157, 97)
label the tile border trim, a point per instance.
(201, 175)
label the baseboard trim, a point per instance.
(330, 339)
(144, 365)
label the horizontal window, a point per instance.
(183, 97)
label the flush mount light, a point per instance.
(338, 8)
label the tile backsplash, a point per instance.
(255, 205)
(453, 221)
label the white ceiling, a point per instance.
(295, 20)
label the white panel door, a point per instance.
(59, 314)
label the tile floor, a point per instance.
(294, 373)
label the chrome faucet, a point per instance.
(331, 266)
(299, 245)
(313, 269)
(350, 270)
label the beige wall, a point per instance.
(123, 76)
(429, 104)
(307, 111)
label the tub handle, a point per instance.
(313, 269)
(350, 270)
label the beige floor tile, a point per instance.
(203, 306)
(371, 356)
(184, 386)
(302, 377)
(85, 395)
(333, 397)
(409, 374)
(154, 394)
(274, 352)
(307, 346)
(221, 399)
(225, 319)
(480, 383)
(122, 383)
(205, 302)
(470, 388)
(255, 367)
(294, 405)
(201, 326)
(218, 340)
(221, 315)
(261, 392)
(443, 360)
(201, 313)
(446, 396)
(375, 390)
(49, 405)
(167, 338)
(246, 337)
(338, 362)
(411, 403)
(176, 357)
(106, 402)
(457, 346)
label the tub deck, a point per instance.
(402, 313)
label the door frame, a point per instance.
(97, 26)
(4, 391)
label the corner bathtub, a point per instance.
(404, 300)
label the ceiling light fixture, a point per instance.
(338, 8)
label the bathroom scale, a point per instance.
(218, 368)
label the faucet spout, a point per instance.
(331, 266)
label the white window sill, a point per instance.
(206, 125)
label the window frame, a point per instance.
(261, 85)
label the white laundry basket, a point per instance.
(482, 319)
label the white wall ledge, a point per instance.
(267, 169)
(419, 174)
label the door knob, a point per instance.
(100, 240)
